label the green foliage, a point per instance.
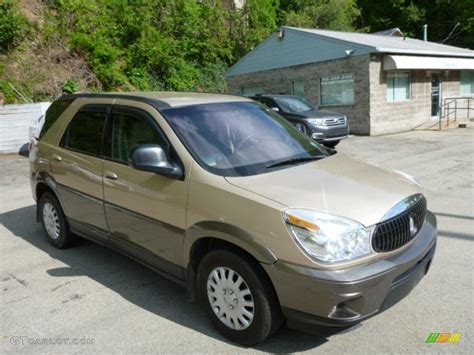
(254, 23)
(326, 14)
(188, 44)
(6, 92)
(441, 16)
(70, 87)
(149, 45)
(12, 25)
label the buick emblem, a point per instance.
(413, 227)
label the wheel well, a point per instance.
(204, 245)
(41, 188)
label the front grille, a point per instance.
(396, 232)
(337, 121)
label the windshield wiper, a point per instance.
(294, 161)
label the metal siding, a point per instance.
(17, 123)
(395, 44)
(303, 46)
(295, 48)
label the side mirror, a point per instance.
(152, 158)
(276, 109)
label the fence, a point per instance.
(17, 123)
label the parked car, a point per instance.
(326, 127)
(259, 227)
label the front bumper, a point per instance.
(329, 133)
(345, 297)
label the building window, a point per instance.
(337, 89)
(251, 90)
(398, 86)
(467, 83)
(297, 88)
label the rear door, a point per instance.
(145, 211)
(77, 168)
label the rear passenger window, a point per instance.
(84, 133)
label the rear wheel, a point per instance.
(53, 221)
(238, 297)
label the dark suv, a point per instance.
(326, 127)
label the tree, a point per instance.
(325, 14)
(441, 16)
(12, 25)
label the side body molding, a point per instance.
(228, 233)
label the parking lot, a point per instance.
(90, 292)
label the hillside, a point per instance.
(42, 65)
(49, 47)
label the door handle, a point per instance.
(111, 175)
(57, 157)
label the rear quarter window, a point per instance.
(52, 114)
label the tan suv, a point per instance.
(228, 199)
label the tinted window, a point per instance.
(84, 133)
(53, 113)
(294, 104)
(271, 103)
(130, 131)
(239, 138)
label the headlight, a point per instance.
(316, 121)
(326, 237)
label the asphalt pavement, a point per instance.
(103, 302)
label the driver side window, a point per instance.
(129, 131)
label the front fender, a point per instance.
(228, 233)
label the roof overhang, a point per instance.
(395, 62)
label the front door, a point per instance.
(145, 211)
(435, 94)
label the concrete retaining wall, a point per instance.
(18, 123)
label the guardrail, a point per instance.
(451, 107)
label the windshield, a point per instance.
(239, 138)
(293, 104)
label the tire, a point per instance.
(54, 222)
(267, 317)
(331, 144)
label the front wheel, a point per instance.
(331, 144)
(238, 297)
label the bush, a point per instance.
(12, 25)
(70, 86)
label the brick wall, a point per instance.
(372, 113)
(280, 80)
(391, 117)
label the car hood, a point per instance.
(338, 185)
(319, 114)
